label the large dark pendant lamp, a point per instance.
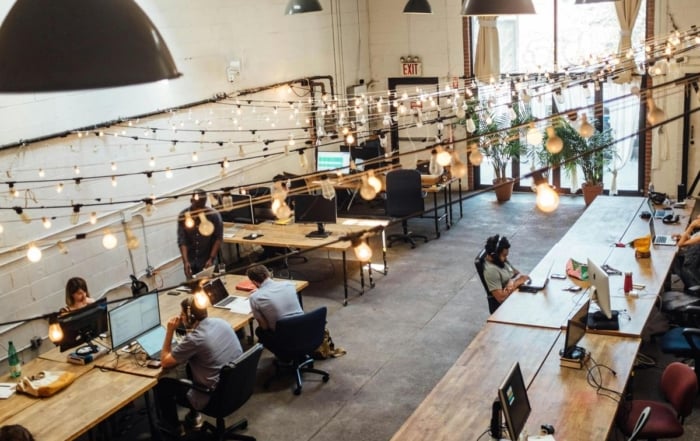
(417, 7)
(497, 7)
(55, 45)
(302, 6)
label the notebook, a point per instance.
(152, 342)
(536, 284)
(218, 294)
(663, 239)
(246, 285)
(659, 214)
(205, 273)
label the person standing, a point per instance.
(197, 248)
(501, 277)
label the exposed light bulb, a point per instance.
(59, 187)
(201, 299)
(33, 253)
(547, 199)
(114, 166)
(93, 218)
(189, 222)
(655, 115)
(459, 168)
(55, 332)
(374, 181)
(46, 222)
(533, 136)
(168, 173)
(114, 181)
(554, 143)
(152, 162)
(195, 157)
(206, 227)
(42, 173)
(475, 156)
(585, 129)
(76, 169)
(327, 190)
(109, 240)
(363, 252)
(62, 248)
(443, 157)
(367, 191)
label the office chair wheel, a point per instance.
(243, 425)
(297, 390)
(326, 378)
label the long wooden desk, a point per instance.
(294, 236)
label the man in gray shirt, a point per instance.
(273, 300)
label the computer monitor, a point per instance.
(575, 330)
(336, 161)
(133, 318)
(242, 211)
(311, 208)
(606, 318)
(512, 395)
(81, 326)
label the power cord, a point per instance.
(596, 381)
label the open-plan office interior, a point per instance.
(103, 143)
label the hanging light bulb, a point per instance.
(168, 173)
(475, 156)
(46, 222)
(433, 167)
(225, 163)
(189, 222)
(59, 187)
(132, 242)
(283, 211)
(363, 252)
(367, 191)
(459, 168)
(55, 330)
(374, 181)
(195, 157)
(327, 190)
(206, 227)
(554, 143)
(2, 229)
(109, 240)
(33, 253)
(547, 199)
(303, 162)
(23, 215)
(114, 166)
(62, 248)
(42, 173)
(470, 126)
(75, 215)
(350, 139)
(76, 169)
(533, 136)
(655, 115)
(201, 299)
(585, 129)
(93, 218)
(443, 157)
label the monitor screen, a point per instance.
(601, 287)
(514, 402)
(81, 326)
(312, 208)
(575, 330)
(241, 210)
(336, 161)
(131, 319)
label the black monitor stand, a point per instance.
(320, 232)
(598, 320)
(495, 427)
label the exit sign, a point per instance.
(411, 69)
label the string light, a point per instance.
(114, 181)
(62, 248)
(114, 166)
(33, 253)
(46, 222)
(586, 130)
(75, 216)
(93, 218)
(554, 143)
(206, 227)
(55, 330)
(59, 187)
(189, 222)
(109, 240)
(42, 173)
(363, 251)
(201, 300)
(23, 215)
(132, 242)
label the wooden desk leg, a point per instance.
(345, 280)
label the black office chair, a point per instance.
(236, 384)
(296, 338)
(479, 264)
(404, 198)
(684, 342)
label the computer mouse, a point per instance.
(547, 429)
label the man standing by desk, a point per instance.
(273, 300)
(209, 344)
(200, 232)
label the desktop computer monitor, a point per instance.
(311, 208)
(512, 395)
(336, 161)
(81, 326)
(606, 318)
(242, 211)
(575, 330)
(133, 318)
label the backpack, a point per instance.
(327, 348)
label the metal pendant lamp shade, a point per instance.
(302, 6)
(497, 7)
(417, 7)
(48, 46)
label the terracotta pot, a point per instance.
(505, 191)
(590, 192)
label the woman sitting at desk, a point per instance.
(77, 295)
(501, 277)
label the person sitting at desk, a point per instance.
(501, 277)
(209, 344)
(687, 262)
(77, 295)
(198, 249)
(273, 300)
(15, 432)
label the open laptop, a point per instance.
(218, 294)
(663, 239)
(536, 284)
(658, 213)
(152, 342)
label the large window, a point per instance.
(564, 34)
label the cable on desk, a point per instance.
(597, 381)
(487, 431)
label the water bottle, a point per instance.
(13, 360)
(651, 189)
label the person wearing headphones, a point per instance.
(501, 277)
(198, 247)
(208, 345)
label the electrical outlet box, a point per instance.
(36, 342)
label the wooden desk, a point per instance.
(294, 235)
(444, 188)
(92, 398)
(459, 407)
(563, 398)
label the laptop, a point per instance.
(152, 342)
(663, 239)
(218, 294)
(660, 213)
(536, 284)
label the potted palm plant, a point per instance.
(591, 155)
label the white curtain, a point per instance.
(487, 62)
(627, 11)
(624, 121)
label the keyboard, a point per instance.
(225, 302)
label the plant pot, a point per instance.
(503, 191)
(590, 192)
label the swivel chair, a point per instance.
(296, 338)
(236, 384)
(685, 341)
(679, 386)
(404, 199)
(641, 422)
(479, 264)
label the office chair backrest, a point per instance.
(479, 264)
(641, 422)
(404, 193)
(680, 387)
(236, 384)
(300, 334)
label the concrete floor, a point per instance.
(403, 335)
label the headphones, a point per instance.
(671, 219)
